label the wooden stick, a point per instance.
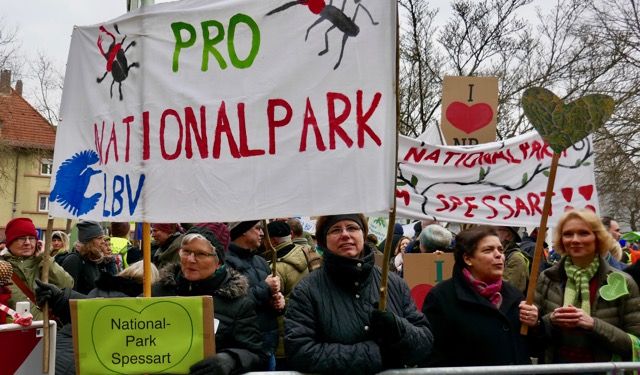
(384, 278)
(68, 227)
(146, 259)
(44, 277)
(269, 246)
(542, 232)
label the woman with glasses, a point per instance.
(21, 239)
(332, 324)
(202, 272)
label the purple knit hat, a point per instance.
(220, 230)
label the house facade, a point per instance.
(26, 155)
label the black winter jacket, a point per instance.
(256, 269)
(84, 272)
(238, 334)
(468, 330)
(328, 317)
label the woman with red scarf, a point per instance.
(476, 316)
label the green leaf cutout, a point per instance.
(615, 288)
(561, 125)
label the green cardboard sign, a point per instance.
(141, 335)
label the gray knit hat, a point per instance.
(88, 230)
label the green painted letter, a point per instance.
(255, 40)
(209, 43)
(177, 27)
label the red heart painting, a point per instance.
(469, 118)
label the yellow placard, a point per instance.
(141, 335)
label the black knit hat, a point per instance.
(325, 222)
(206, 233)
(238, 228)
(278, 229)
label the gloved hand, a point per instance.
(387, 331)
(219, 364)
(47, 293)
(386, 327)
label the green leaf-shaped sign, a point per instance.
(615, 288)
(561, 125)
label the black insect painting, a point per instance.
(335, 16)
(116, 57)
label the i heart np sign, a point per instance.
(141, 335)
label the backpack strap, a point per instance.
(24, 288)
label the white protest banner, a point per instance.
(231, 110)
(499, 183)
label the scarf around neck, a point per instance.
(576, 292)
(488, 291)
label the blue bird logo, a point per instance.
(72, 181)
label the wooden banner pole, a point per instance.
(542, 232)
(146, 259)
(384, 278)
(44, 277)
(268, 246)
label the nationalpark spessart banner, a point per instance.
(229, 110)
(498, 183)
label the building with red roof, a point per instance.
(27, 140)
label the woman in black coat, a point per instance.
(475, 316)
(202, 272)
(332, 324)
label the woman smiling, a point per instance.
(588, 308)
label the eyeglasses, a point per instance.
(25, 239)
(198, 255)
(337, 231)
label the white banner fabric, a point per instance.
(230, 110)
(498, 183)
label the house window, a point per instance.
(46, 166)
(43, 202)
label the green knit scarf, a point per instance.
(576, 292)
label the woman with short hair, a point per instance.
(202, 272)
(588, 308)
(476, 309)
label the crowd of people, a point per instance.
(316, 310)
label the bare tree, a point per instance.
(48, 93)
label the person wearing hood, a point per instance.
(332, 323)
(202, 271)
(516, 264)
(21, 237)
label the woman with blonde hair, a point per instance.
(589, 309)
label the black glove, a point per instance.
(219, 364)
(47, 293)
(386, 327)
